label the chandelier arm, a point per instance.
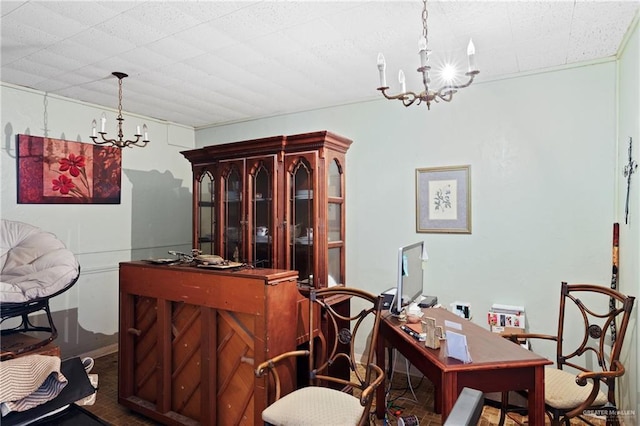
(446, 96)
(409, 101)
(137, 143)
(103, 141)
(471, 74)
(407, 98)
(119, 142)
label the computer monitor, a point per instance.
(409, 287)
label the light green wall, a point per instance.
(154, 215)
(543, 153)
(629, 273)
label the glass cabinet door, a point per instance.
(335, 225)
(206, 214)
(262, 216)
(301, 222)
(232, 243)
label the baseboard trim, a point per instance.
(97, 353)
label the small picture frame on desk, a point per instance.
(443, 200)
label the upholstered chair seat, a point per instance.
(314, 406)
(562, 391)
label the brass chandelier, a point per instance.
(120, 142)
(428, 95)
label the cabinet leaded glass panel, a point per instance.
(233, 215)
(206, 214)
(302, 221)
(262, 219)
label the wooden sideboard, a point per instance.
(190, 338)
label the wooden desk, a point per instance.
(497, 365)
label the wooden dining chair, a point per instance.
(587, 364)
(326, 398)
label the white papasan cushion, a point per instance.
(314, 405)
(35, 263)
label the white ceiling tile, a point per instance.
(45, 71)
(85, 13)
(36, 16)
(129, 27)
(103, 43)
(173, 49)
(7, 6)
(205, 11)
(26, 77)
(205, 62)
(205, 37)
(165, 17)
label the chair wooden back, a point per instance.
(334, 361)
(605, 315)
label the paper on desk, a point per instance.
(452, 324)
(457, 347)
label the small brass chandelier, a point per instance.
(120, 143)
(428, 95)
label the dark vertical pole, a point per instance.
(614, 276)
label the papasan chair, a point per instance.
(35, 266)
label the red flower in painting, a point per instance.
(74, 163)
(63, 184)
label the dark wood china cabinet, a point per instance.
(276, 202)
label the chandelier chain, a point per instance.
(120, 98)
(120, 119)
(425, 15)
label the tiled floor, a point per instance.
(106, 406)
(401, 398)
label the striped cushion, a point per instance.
(314, 406)
(561, 390)
(29, 381)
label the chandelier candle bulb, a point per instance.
(103, 121)
(382, 68)
(144, 129)
(138, 130)
(402, 81)
(93, 128)
(471, 53)
(422, 49)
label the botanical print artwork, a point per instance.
(443, 200)
(61, 171)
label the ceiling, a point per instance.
(201, 63)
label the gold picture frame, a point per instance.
(443, 200)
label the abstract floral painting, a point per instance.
(56, 171)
